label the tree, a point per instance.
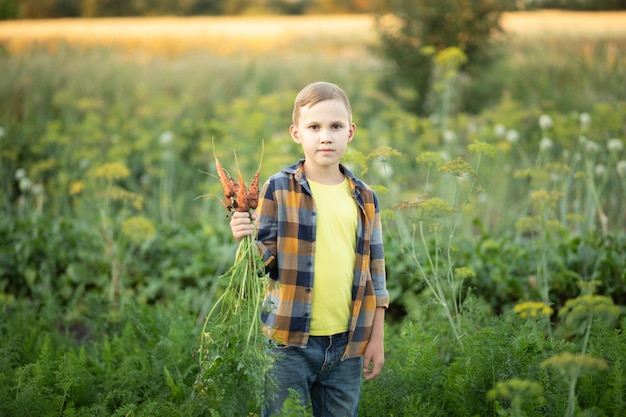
(416, 29)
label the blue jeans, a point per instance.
(316, 372)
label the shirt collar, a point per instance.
(297, 170)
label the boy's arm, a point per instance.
(374, 356)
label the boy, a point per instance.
(319, 233)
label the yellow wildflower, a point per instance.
(532, 309)
(483, 148)
(383, 153)
(430, 159)
(459, 168)
(572, 364)
(76, 187)
(112, 171)
(138, 229)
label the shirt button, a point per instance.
(308, 290)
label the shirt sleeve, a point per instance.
(267, 229)
(377, 260)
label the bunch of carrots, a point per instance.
(235, 195)
(232, 329)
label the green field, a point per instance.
(506, 267)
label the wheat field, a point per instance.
(227, 34)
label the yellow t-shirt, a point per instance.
(335, 248)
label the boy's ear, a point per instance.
(352, 130)
(293, 131)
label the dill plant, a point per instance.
(428, 226)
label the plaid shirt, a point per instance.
(286, 236)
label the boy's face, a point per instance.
(324, 131)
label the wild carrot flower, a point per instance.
(532, 309)
(615, 145)
(512, 136)
(499, 130)
(449, 136)
(166, 138)
(592, 147)
(585, 119)
(545, 144)
(25, 184)
(20, 173)
(600, 170)
(545, 122)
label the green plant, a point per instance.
(440, 220)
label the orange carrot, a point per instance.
(253, 192)
(225, 180)
(242, 197)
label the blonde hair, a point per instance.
(316, 92)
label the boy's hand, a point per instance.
(373, 359)
(374, 356)
(241, 224)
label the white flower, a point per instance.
(38, 189)
(512, 136)
(615, 145)
(449, 136)
(499, 130)
(166, 138)
(585, 119)
(592, 146)
(577, 157)
(621, 168)
(2, 132)
(582, 139)
(25, 184)
(600, 170)
(545, 144)
(545, 122)
(20, 173)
